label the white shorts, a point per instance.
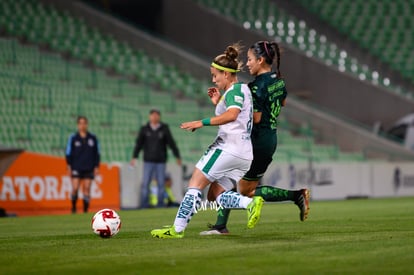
(223, 168)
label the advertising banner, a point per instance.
(37, 184)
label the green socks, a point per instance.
(270, 193)
(223, 215)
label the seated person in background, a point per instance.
(169, 198)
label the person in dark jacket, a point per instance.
(153, 139)
(82, 158)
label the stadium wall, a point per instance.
(344, 93)
(131, 183)
(37, 184)
(331, 129)
(327, 181)
(333, 181)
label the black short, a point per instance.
(264, 144)
(88, 174)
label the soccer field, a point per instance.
(357, 236)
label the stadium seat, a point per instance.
(381, 27)
(116, 107)
(125, 121)
(61, 32)
(265, 16)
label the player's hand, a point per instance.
(69, 171)
(192, 125)
(214, 94)
(96, 171)
(179, 162)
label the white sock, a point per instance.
(189, 205)
(231, 199)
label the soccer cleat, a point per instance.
(302, 201)
(215, 230)
(167, 233)
(254, 210)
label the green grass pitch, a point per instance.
(343, 237)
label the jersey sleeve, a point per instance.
(234, 98)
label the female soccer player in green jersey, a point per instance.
(229, 157)
(269, 96)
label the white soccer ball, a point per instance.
(106, 223)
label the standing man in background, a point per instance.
(82, 158)
(153, 138)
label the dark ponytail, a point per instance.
(276, 48)
(269, 51)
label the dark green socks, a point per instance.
(222, 217)
(270, 193)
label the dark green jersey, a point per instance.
(268, 92)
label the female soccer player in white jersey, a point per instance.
(229, 157)
(269, 96)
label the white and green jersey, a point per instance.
(234, 137)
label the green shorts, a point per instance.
(264, 143)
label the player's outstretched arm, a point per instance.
(226, 117)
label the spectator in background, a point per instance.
(153, 138)
(82, 158)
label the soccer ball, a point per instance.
(106, 223)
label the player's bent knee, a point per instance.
(247, 187)
(248, 193)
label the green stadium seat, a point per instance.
(71, 85)
(381, 27)
(352, 18)
(63, 32)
